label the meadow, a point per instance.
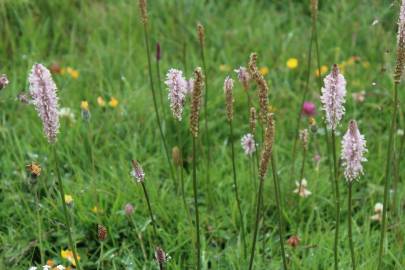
(96, 53)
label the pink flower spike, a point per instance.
(177, 86)
(353, 150)
(243, 77)
(43, 92)
(248, 144)
(137, 172)
(333, 97)
(308, 109)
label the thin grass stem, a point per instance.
(350, 226)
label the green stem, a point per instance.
(387, 176)
(299, 116)
(337, 201)
(258, 208)
(139, 235)
(207, 135)
(350, 227)
(39, 227)
(99, 265)
(160, 88)
(65, 210)
(235, 183)
(146, 35)
(279, 210)
(145, 192)
(197, 217)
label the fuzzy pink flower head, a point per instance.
(177, 86)
(243, 77)
(248, 144)
(137, 172)
(43, 92)
(353, 150)
(129, 209)
(308, 108)
(333, 97)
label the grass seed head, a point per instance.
(196, 102)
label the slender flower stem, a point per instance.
(39, 227)
(350, 227)
(206, 131)
(387, 176)
(100, 265)
(397, 175)
(299, 116)
(139, 235)
(65, 210)
(145, 192)
(235, 183)
(197, 217)
(146, 35)
(277, 193)
(337, 201)
(256, 229)
(160, 87)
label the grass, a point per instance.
(103, 40)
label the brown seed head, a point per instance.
(268, 145)
(314, 10)
(196, 102)
(201, 34)
(263, 88)
(304, 137)
(176, 155)
(101, 232)
(144, 11)
(252, 120)
(228, 87)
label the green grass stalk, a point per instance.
(337, 202)
(349, 223)
(197, 217)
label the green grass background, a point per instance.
(103, 40)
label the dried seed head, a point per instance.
(45, 100)
(333, 97)
(176, 155)
(196, 102)
(137, 171)
(201, 34)
(314, 10)
(101, 232)
(304, 136)
(144, 11)
(228, 87)
(268, 145)
(399, 68)
(252, 120)
(263, 88)
(3, 81)
(160, 255)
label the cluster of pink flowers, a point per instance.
(248, 144)
(333, 97)
(177, 86)
(353, 149)
(43, 93)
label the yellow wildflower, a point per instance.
(96, 210)
(312, 121)
(292, 63)
(84, 105)
(321, 71)
(101, 101)
(264, 70)
(224, 68)
(72, 72)
(68, 199)
(271, 109)
(365, 64)
(68, 255)
(113, 102)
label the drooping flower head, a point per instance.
(228, 87)
(177, 86)
(248, 144)
(43, 93)
(137, 171)
(333, 97)
(243, 77)
(353, 150)
(400, 44)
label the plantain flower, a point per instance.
(243, 77)
(228, 87)
(178, 87)
(248, 144)
(353, 149)
(137, 171)
(333, 97)
(45, 100)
